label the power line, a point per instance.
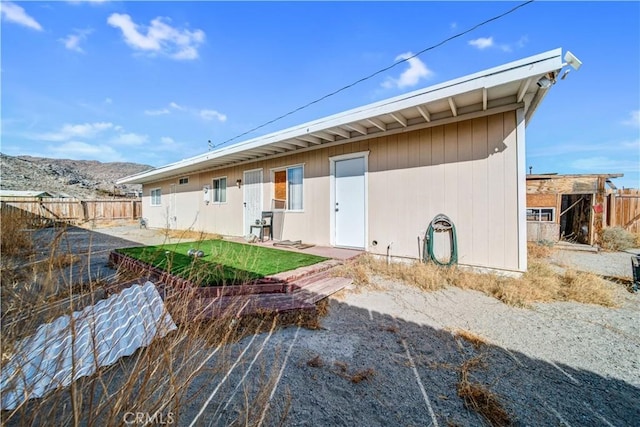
(335, 92)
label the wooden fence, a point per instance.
(624, 209)
(74, 210)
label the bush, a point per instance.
(617, 239)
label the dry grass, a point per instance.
(618, 239)
(161, 378)
(538, 250)
(475, 340)
(16, 239)
(540, 284)
(355, 377)
(190, 235)
(479, 398)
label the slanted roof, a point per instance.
(576, 175)
(24, 193)
(492, 91)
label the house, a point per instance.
(570, 207)
(24, 194)
(374, 177)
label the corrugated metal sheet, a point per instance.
(74, 346)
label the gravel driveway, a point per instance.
(616, 264)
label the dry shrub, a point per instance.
(477, 397)
(540, 284)
(617, 239)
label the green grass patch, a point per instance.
(224, 263)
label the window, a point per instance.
(220, 190)
(540, 214)
(156, 196)
(287, 188)
(184, 180)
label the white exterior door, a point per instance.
(350, 206)
(252, 198)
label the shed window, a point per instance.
(156, 197)
(541, 214)
(220, 190)
(287, 188)
(183, 180)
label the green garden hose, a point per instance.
(440, 223)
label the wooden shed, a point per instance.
(568, 207)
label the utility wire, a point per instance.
(475, 27)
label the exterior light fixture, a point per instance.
(238, 182)
(544, 82)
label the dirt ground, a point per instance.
(558, 364)
(391, 356)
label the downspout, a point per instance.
(389, 253)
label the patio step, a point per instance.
(299, 273)
(309, 290)
(320, 289)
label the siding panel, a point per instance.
(466, 170)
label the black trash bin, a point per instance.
(635, 266)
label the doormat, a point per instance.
(293, 244)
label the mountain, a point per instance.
(84, 179)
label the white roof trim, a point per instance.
(301, 137)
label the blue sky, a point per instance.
(152, 82)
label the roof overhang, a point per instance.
(500, 89)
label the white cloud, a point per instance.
(129, 139)
(157, 112)
(159, 37)
(108, 101)
(212, 114)
(488, 42)
(482, 42)
(72, 41)
(411, 76)
(453, 25)
(168, 144)
(176, 106)
(605, 164)
(11, 12)
(67, 132)
(633, 120)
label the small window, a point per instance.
(183, 180)
(541, 214)
(156, 197)
(220, 190)
(287, 188)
